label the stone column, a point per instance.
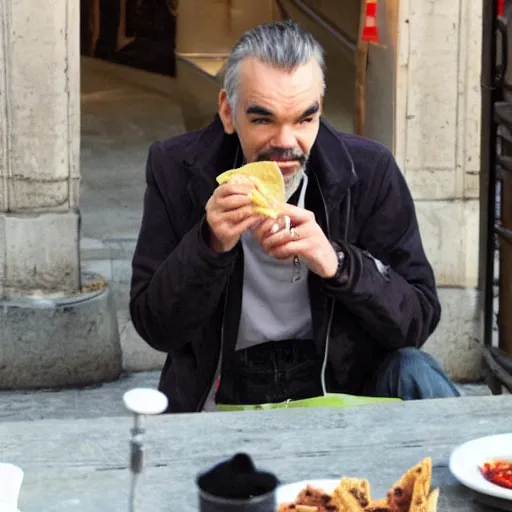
(39, 147)
(437, 137)
(44, 313)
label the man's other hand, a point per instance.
(305, 239)
(229, 213)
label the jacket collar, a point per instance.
(213, 151)
(330, 160)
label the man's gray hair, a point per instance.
(284, 45)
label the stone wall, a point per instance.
(437, 138)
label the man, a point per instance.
(252, 312)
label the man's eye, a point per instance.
(307, 120)
(260, 120)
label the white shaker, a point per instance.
(141, 402)
(11, 477)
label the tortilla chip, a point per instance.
(259, 199)
(414, 486)
(352, 495)
(432, 501)
(419, 497)
(412, 493)
(346, 502)
(260, 202)
(379, 506)
(266, 175)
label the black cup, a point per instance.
(263, 503)
(236, 485)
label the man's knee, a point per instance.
(410, 374)
(410, 359)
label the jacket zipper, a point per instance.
(217, 366)
(326, 352)
(331, 307)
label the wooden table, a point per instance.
(82, 464)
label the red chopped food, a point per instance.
(498, 472)
(310, 500)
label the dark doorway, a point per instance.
(136, 33)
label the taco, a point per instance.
(269, 189)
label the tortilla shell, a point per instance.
(267, 175)
(352, 495)
(412, 488)
(432, 501)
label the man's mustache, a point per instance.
(283, 154)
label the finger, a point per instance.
(229, 189)
(265, 227)
(233, 202)
(258, 224)
(272, 226)
(238, 215)
(298, 233)
(283, 222)
(290, 249)
(297, 215)
(271, 240)
(247, 223)
(231, 230)
(235, 230)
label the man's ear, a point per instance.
(226, 113)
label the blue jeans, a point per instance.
(410, 374)
(271, 373)
(276, 371)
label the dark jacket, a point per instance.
(185, 298)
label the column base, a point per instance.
(59, 342)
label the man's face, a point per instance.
(277, 115)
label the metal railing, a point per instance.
(347, 45)
(496, 199)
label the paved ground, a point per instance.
(98, 401)
(92, 402)
(120, 120)
(123, 111)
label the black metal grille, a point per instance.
(496, 194)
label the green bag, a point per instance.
(328, 400)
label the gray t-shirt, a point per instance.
(275, 304)
(273, 307)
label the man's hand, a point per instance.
(305, 239)
(229, 213)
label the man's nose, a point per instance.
(284, 137)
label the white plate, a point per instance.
(467, 458)
(289, 492)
